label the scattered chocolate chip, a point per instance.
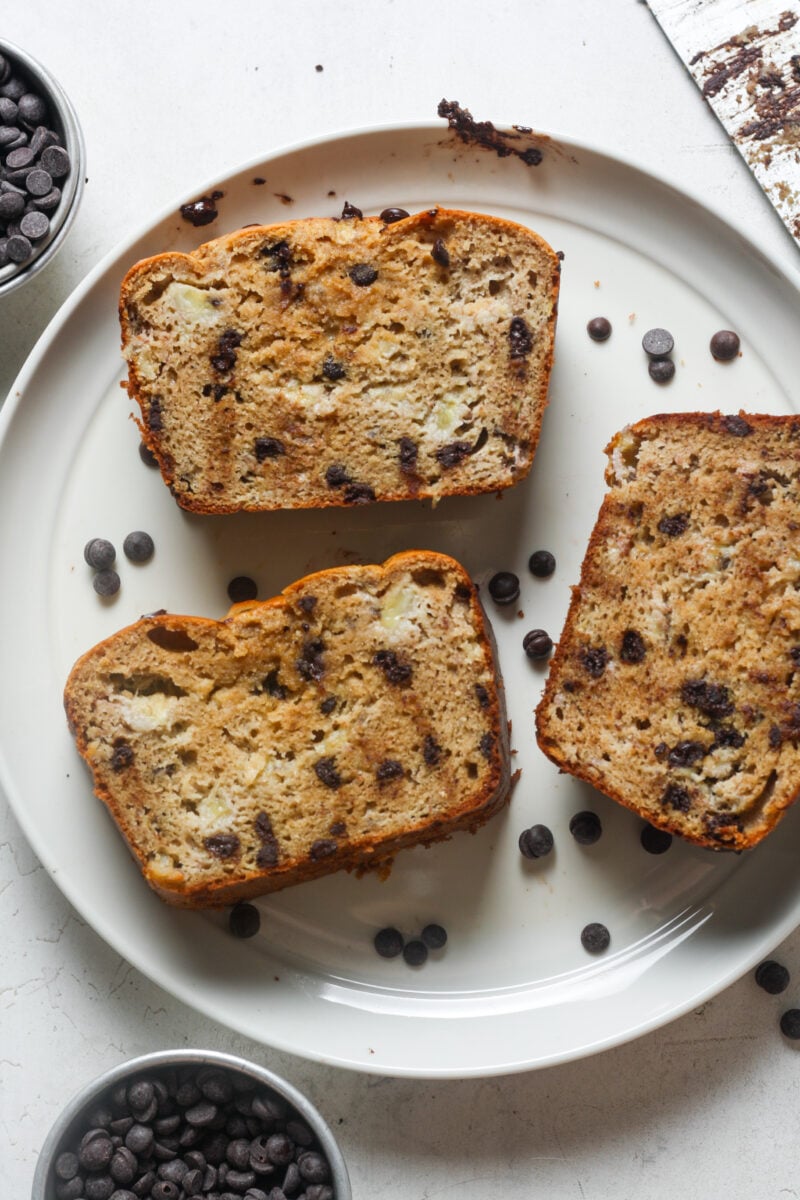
(271, 685)
(222, 845)
(325, 770)
(504, 587)
(482, 695)
(336, 475)
(358, 493)
(520, 338)
(350, 212)
(772, 977)
(790, 1024)
(268, 447)
(146, 455)
(310, 665)
(775, 737)
(486, 745)
(586, 828)
(434, 936)
(408, 451)
(712, 699)
(415, 952)
(724, 345)
(307, 604)
(676, 797)
(395, 670)
(324, 847)
(658, 343)
(541, 564)
(440, 254)
(99, 553)
(536, 842)
(727, 735)
(594, 660)
(121, 757)
(333, 370)
(138, 546)
(106, 583)
(241, 589)
(633, 648)
(675, 525)
(389, 769)
(328, 705)
(595, 938)
(686, 754)
(453, 454)
(154, 419)
(737, 426)
(431, 751)
(202, 211)
(363, 275)
(654, 840)
(661, 370)
(390, 215)
(537, 644)
(389, 942)
(244, 920)
(599, 329)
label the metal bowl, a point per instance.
(74, 1120)
(65, 122)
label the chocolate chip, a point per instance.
(686, 754)
(242, 588)
(486, 745)
(12, 204)
(37, 183)
(431, 750)
(541, 564)
(661, 370)
(154, 418)
(358, 493)
(332, 369)
(655, 841)
(415, 954)
(310, 665)
(504, 587)
(350, 212)
(55, 160)
(727, 735)
(775, 737)
(482, 695)
(434, 936)
(138, 546)
(790, 1024)
(724, 345)
(122, 757)
(99, 553)
(200, 212)
(336, 475)
(440, 254)
(537, 644)
(675, 525)
(599, 329)
(390, 215)
(323, 847)
(594, 660)
(520, 338)
(453, 454)
(20, 158)
(712, 699)
(224, 361)
(395, 670)
(586, 828)
(633, 648)
(268, 447)
(772, 977)
(325, 770)
(389, 769)
(18, 248)
(658, 343)
(389, 942)
(222, 845)
(737, 426)
(363, 275)
(307, 604)
(408, 451)
(676, 797)
(536, 842)
(328, 705)
(595, 938)
(106, 583)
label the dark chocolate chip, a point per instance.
(586, 828)
(595, 938)
(724, 345)
(242, 588)
(661, 370)
(389, 769)
(106, 582)
(482, 695)
(395, 670)
(268, 447)
(99, 553)
(55, 160)
(350, 212)
(310, 665)
(542, 564)
(504, 587)
(121, 757)
(537, 644)
(389, 942)
(674, 526)
(138, 546)
(658, 343)
(599, 329)
(408, 451)
(18, 248)
(323, 847)
(686, 754)
(434, 936)
(146, 455)
(712, 699)
(440, 254)
(737, 426)
(536, 842)
(594, 660)
(336, 475)
(358, 493)
(307, 604)
(431, 750)
(328, 705)
(520, 338)
(772, 977)
(200, 212)
(728, 735)
(390, 215)
(415, 954)
(453, 454)
(332, 369)
(654, 840)
(222, 845)
(363, 275)
(676, 797)
(790, 1024)
(20, 158)
(633, 648)
(325, 770)
(486, 745)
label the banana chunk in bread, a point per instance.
(334, 362)
(675, 688)
(358, 713)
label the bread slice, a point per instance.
(334, 362)
(675, 688)
(358, 713)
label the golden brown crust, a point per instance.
(448, 785)
(674, 687)
(426, 356)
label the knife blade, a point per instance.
(744, 56)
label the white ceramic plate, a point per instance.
(514, 988)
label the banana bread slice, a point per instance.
(334, 362)
(358, 713)
(675, 688)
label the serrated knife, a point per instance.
(744, 56)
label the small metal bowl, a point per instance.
(74, 1120)
(62, 118)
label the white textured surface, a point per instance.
(172, 94)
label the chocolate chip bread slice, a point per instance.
(358, 713)
(675, 688)
(334, 362)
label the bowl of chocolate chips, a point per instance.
(42, 166)
(178, 1124)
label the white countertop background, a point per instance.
(171, 95)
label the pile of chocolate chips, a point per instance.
(206, 1133)
(33, 159)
